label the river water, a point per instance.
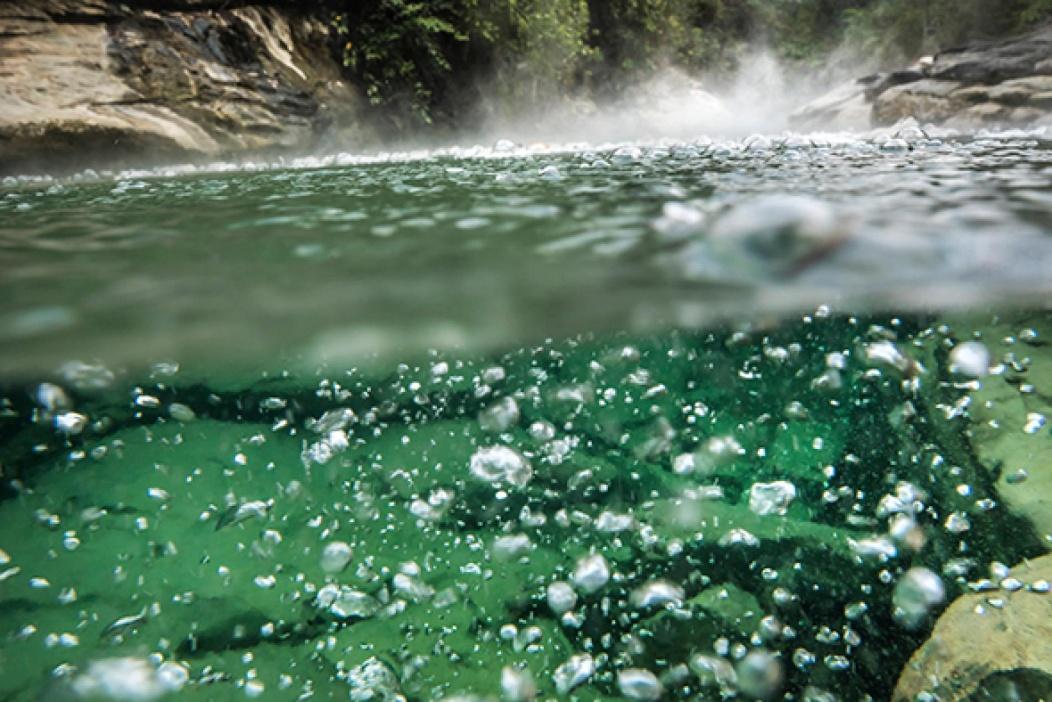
(686, 419)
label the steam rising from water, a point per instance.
(672, 105)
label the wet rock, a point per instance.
(721, 610)
(1014, 631)
(1005, 404)
(90, 83)
(1005, 82)
(924, 100)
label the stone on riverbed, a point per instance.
(989, 645)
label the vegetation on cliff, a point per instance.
(430, 63)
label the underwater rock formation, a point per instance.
(744, 512)
(995, 644)
(1009, 415)
(96, 83)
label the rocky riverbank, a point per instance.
(997, 83)
(93, 83)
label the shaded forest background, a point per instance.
(430, 62)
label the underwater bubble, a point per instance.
(739, 537)
(542, 431)
(500, 416)
(506, 548)
(712, 670)
(500, 464)
(678, 220)
(412, 587)
(683, 464)
(121, 680)
(877, 547)
(331, 421)
(760, 675)
(517, 685)
(970, 358)
(577, 669)
(771, 498)
(779, 232)
(591, 573)
(346, 603)
(147, 401)
(803, 659)
(52, 398)
(335, 556)
(916, 593)
(1034, 422)
(172, 676)
(612, 522)
(71, 423)
(371, 681)
(87, 376)
(561, 597)
(716, 452)
(957, 523)
(273, 403)
(1011, 584)
(657, 593)
(836, 662)
(886, 353)
(639, 684)
(181, 413)
(550, 172)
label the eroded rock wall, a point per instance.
(1006, 83)
(94, 83)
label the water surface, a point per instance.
(688, 420)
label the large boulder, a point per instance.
(995, 83)
(1009, 411)
(90, 83)
(989, 645)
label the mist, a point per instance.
(758, 98)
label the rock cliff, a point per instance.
(96, 83)
(996, 83)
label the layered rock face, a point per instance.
(1002, 83)
(95, 83)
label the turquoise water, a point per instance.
(679, 421)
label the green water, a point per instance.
(688, 421)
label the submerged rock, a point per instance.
(1008, 410)
(986, 644)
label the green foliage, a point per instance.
(904, 29)
(428, 62)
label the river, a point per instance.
(653, 420)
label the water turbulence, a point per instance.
(702, 419)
